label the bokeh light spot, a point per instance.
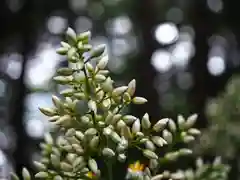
(216, 65)
(161, 61)
(166, 33)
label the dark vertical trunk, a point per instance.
(145, 19)
(201, 22)
(26, 32)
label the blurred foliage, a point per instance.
(222, 137)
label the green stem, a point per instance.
(109, 168)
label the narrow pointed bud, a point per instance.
(100, 78)
(132, 87)
(103, 62)
(56, 101)
(193, 131)
(98, 51)
(167, 136)
(136, 126)
(184, 152)
(26, 175)
(150, 154)
(188, 139)
(55, 160)
(107, 85)
(160, 125)
(85, 36)
(126, 132)
(122, 157)
(62, 51)
(181, 121)
(79, 135)
(39, 166)
(41, 175)
(109, 118)
(65, 166)
(80, 77)
(159, 141)
(128, 119)
(89, 67)
(108, 152)
(71, 35)
(48, 138)
(92, 106)
(65, 71)
(62, 79)
(139, 100)
(119, 90)
(172, 125)
(115, 137)
(47, 111)
(91, 132)
(146, 124)
(93, 165)
(149, 145)
(191, 120)
(94, 142)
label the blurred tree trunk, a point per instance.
(25, 29)
(144, 17)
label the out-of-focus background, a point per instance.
(184, 55)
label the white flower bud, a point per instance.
(136, 126)
(71, 35)
(153, 163)
(159, 141)
(172, 125)
(98, 51)
(115, 137)
(93, 165)
(167, 136)
(47, 111)
(107, 85)
(126, 132)
(26, 175)
(160, 124)
(92, 106)
(39, 166)
(107, 131)
(185, 151)
(139, 100)
(191, 121)
(55, 160)
(146, 124)
(188, 139)
(122, 157)
(100, 78)
(181, 121)
(103, 62)
(85, 36)
(63, 79)
(65, 166)
(193, 131)
(79, 135)
(62, 51)
(149, 145)
(132, 87)
(120, 124)
(119, 90)
(80, 77)
(65, 71)
(150, 154)
(108, 152)
(48, 138)
(90, 132)
(129, 119)
(63, 119)
(41, 175)
(79, 160)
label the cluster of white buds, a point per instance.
(103, 130)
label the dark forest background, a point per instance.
(181, 52)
